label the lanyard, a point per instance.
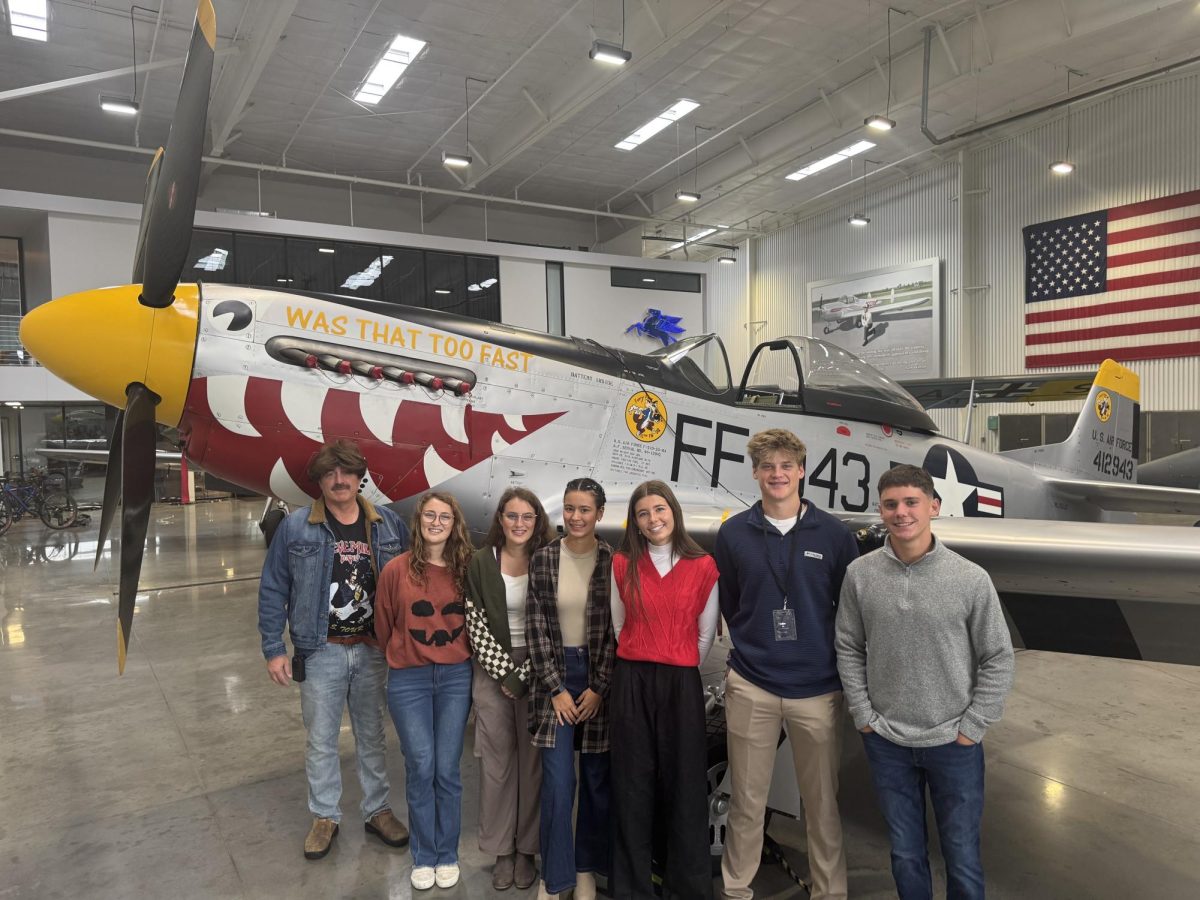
(781, 583)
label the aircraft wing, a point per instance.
(1117, 497)
(1069, 587)
(898, 305)
(163, 459)
(955, 393)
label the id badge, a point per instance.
(785, 624)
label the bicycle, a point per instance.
(54, 506)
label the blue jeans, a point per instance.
(588, 850)
(429, 705)
(954, 775)
(338, 675)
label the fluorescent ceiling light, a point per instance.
(687, 196)
(367, 276)
(441, 291)
(455, 160)
(488, 282)
(648, 280)
(121, 105)
(695, 237)
(326, 250)
(284, 280)
(27, 19)
(879, 123)
(213, 262)
(1062, 167)
(832, 160)
(386, 72)
(726, 260)
(474, 288)
(859, 220)
(614, 54)
(673, 114)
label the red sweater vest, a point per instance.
(663, 625)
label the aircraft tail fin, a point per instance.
(1106, 440)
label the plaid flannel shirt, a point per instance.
(544, 638)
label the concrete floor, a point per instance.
(185, 778)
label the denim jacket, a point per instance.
(298, 570)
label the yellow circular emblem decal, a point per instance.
(1103, 406)
(646, 417)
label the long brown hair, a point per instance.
(634, 544)
(542, 535)
(457, 553)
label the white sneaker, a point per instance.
(422, 877)
(446, 876)
(585, 886)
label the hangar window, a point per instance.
(467, 285)
(654, 280)
(11, 298)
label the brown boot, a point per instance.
(525, 872)
(320, 838)
(389, 829)
(502, 872)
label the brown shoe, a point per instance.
(502, 872)
(389, 829)
(525, 872)
(320, 838)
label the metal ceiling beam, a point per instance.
(593, 91)
(356, 180)
(492, 85)
(32, 90)
(237, 82)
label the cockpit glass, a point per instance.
(830, 368)
(701, 360)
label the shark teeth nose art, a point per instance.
(256, 431)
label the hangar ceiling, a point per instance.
(780, 83)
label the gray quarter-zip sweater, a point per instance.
(923, 650)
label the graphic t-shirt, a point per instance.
(352, 588)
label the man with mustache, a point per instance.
(322, 564)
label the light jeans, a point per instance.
(429, 706)
(337, 676)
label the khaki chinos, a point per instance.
(814, 726)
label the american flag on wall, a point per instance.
(1121, 283)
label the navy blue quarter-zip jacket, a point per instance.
(811, 561)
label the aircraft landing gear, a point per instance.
(273, 514)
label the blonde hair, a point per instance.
(776, 440)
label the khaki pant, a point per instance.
(814, 726)
(510, 768)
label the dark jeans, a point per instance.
(954, 775)
(659, 781)
(588, 851)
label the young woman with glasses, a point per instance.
(420, 621)
(568, 627)
(665, 610)
(510, 766)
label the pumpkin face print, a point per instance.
(442, 626)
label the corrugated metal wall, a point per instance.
(1135, 145)
(728, 306)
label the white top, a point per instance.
(516, 587)
(786, 525)
(664, 560)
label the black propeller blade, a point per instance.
(112, 485)
(139, 253)
(168, 217)
(137, 489)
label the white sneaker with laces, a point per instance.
(446, 876)
(422, 877)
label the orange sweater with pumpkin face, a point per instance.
(418, 625)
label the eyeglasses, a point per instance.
(444, 518)
(527, 518)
